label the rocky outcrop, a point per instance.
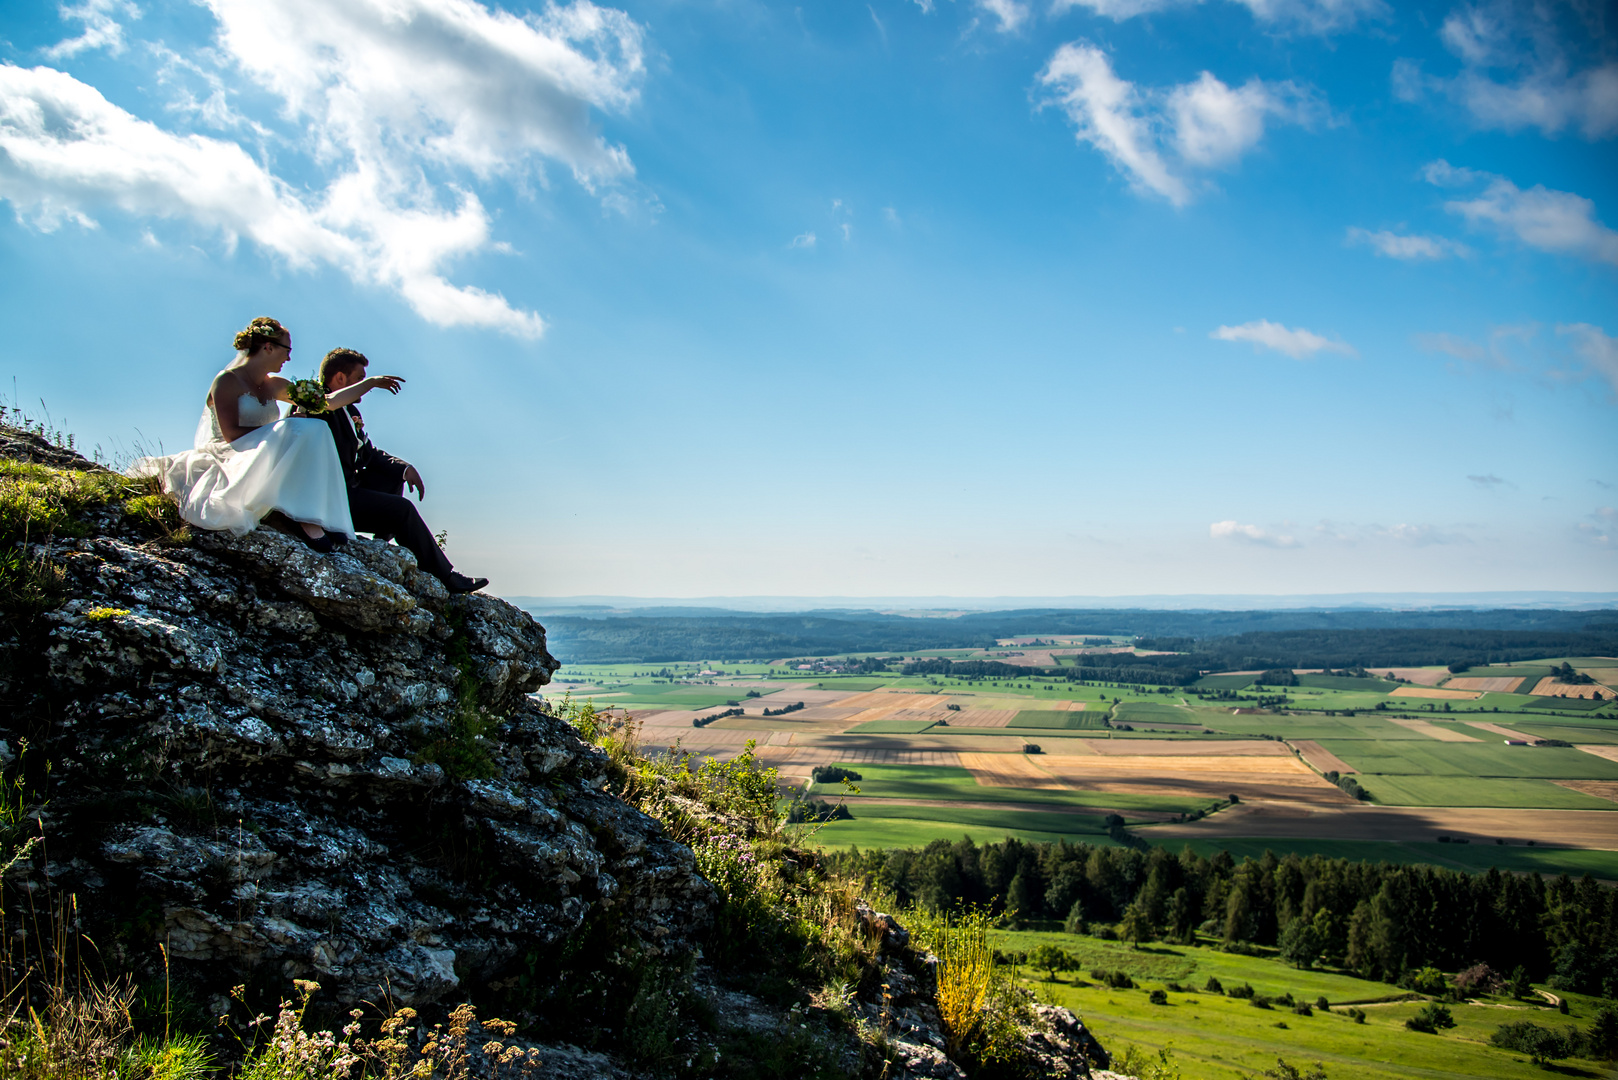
(320, 766)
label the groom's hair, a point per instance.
(340, 360)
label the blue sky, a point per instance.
(968, 297)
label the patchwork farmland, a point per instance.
(1394, 760)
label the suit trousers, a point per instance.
(388, 514)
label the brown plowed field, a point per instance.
(1348, 820)
(1419, 675)
(804, 694)
(1601, 789)
(1503, 732)
(875, 699)
(1500, 684)
(1432, 731)
(1553, 687)
(1182, 748)
(969, 718)
(1433, 692)
(1321, 758)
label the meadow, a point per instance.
(1216, 1037)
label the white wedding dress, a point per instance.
(287, 465)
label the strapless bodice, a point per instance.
(251, 412)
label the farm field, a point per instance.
(1038, 756)
(1222, 1038)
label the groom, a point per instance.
(377, 479)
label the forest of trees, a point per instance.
(1375, 919)
(1222, 640)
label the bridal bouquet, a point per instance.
(308, 395)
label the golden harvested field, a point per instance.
(1608, 752)
(1606, 675)
(1010, 770)
(1180, 747)
(1433, 731)
(980, 718)
(1422, 676)
(1554, 687)
(798, 760)
(1433, 692)
(1320, 757)
(1500, 684)
(876, 699)
(808, 696)
(1496, 729)
(1601, 789)
(1359, 821)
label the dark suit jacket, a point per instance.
(364, 465)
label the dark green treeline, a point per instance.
(1376, 919)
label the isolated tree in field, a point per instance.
(1521, 987)
(1050, 958)
(1136, 926)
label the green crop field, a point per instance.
(1345, 682)
(1567, 704)
(1429, 758)
(1315, 727)
(1051, 718)
(885, 827)
(1471, 791)
(1225, 682)
(892, 727)
(1525, 671)
(1150, 712)
(1214, 1037)
(1573, 730)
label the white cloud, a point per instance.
(1419, 535)
(1317, 16)
(1405, 246)
(395, 100)
(102, 30)
(1298, 344)
(1010, 14)
(1510, 347)
(1250, 534)
(1525, 65)
(1597, 349)
(1556, 221)
(1205, 122)
(803, 240)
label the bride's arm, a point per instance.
(348, 395)
(226, 397)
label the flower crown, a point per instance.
(262, 328)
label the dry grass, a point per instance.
(1434, 692)
(1496, 729)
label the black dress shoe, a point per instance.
(322, 543)
(338, 538)
(459, 583)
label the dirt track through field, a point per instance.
(1496, 729)
(1553, 687)
(1432, 731)
(1499, 684)
(1594, 829)
(1601, 789)
(1320, 757)
(1432, 692)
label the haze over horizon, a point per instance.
(994, 298)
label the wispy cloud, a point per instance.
(102, 30)
(1203, 123)
(1418, 535)
(1406, 246)
(380, 99)
(1505, 350)
(1296, 343)
(803, 240)
(1597, 528)
(1009, 15)
(1525, 65)
(1487, 482)
(1250, 534)
(1559, 222)
(1597, 349)
(1315, 16)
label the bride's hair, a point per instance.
(260, 332)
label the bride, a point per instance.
(249, 463)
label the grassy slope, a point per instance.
(948, 782)
(1221, 1038)
(1467, 791)
(1436, 759)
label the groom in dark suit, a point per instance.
(377, 479)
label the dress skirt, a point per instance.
(289, 465)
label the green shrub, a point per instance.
(1431, 1019)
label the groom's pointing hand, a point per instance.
(412, 479)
